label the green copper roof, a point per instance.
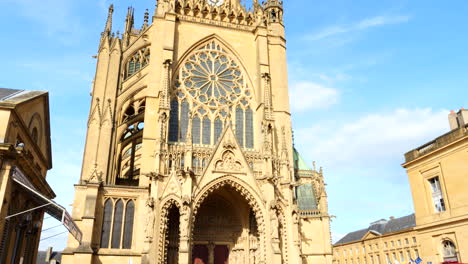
(299, 163)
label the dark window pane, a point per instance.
(184, 117)
(249, 135)
(106, 224)
(196, 130)
(128, 227)
(117, 231)
(218, 129)
(174, 121)
(306, 197)
(206, 131)
(240, 126)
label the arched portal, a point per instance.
(172, 236)
(225, 229)
(169, 244)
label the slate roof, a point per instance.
(41, 255)
(381, 227)
(5, 93)
(16, 97)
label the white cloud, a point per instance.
(372, 139)
(358, 26)
(311, 95)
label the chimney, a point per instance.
(48, 254)
(458, 120)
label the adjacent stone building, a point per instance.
(383, 242)
(438, 176)
(189, 152)
(438, 231)
(25, 158)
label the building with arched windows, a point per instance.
(189, 153)
(438, 230)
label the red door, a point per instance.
(200, 254)
(221, 255)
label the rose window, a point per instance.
(209, 87)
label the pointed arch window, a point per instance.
(218, 129)
(206, 131)
(449, 251)
(240, 125)
(106, 223)
(215, 88)
(174, 121)
(184, 119)
(117, 224)
(249, 136)
(196, 130)
(128, 225)
(137, 61)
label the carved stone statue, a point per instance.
(274, 223)
(184, 220)
(149, 218)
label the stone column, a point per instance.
(211, 248)
(184, 246)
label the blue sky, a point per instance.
(369, 80)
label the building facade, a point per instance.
(438, 231)
(25, 158)
(438, 176)
(189, 153)
(383, 242)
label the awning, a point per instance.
(50, 207)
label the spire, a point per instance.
(108, 27)
(129, 20)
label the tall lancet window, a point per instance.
(137, 61)
(117, 223)
(209, 86)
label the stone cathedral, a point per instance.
(189, 154)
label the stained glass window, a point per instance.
(249, 136)
(174, 121)
(128, 226)
(306, 197)
(240, 126)
(206, 131)
(184, 118)
(137, 61)
(106, 224)
(117, 230)
(196, 130)
(218, 129)
(212, 83)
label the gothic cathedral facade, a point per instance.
(189, 153)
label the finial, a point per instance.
(146, 17)
(118, 34)
(108, 27)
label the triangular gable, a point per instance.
(371, 234)
(228, 159)
(33, 109)
(173, 186)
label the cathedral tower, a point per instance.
(189, 155)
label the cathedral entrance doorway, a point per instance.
(225, 230)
